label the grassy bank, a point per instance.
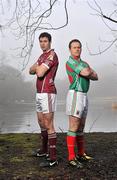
(16, 161)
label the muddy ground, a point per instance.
(16, 161)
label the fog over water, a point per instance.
(17, 92)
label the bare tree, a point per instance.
(108, 20)
(28, 17)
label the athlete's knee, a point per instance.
(40, 121)
(47, 123)
(74, 123)
(73, 127)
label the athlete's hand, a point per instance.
(32, 69)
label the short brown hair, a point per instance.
(74, 40)
(47, 35)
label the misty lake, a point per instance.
(21, 117)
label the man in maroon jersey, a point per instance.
(45, 69)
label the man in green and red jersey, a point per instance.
(80, 74)
(45, 68)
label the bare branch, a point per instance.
(100, 12)
(110, 19)
(102, 51)
(28, 17)
(104, 17)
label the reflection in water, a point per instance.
(22, 118)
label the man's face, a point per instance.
(44, 43)
(75, 49)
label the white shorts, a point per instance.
(77, 104)
(45, 102)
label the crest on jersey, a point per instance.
(51, 56)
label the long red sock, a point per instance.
(52, 145)
(44, 136)
(71, 139)
(80, 144)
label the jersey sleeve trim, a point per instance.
(46, 65)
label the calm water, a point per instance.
(21, 117)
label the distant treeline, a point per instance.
(13, 87)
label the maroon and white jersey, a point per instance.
(46, 84)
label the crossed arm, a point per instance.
(88, 72)
(39, 70)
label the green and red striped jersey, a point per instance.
(77, 82)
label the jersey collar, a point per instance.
(74, 58)
(48, 51)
